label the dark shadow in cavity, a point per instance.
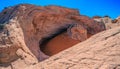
(44, 41)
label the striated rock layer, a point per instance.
(25, 29)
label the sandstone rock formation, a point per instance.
(118, 19)
(101, 51)
(105, 19)
(31, 24)
(74, 35)
(25, 29)
(98, 18)
(114, 23)
(109, 23)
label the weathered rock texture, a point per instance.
(101, 51)
(25, 27)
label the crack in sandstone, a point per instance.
(112, 35)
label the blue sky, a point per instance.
(86, 7)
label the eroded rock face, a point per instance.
(101, 51)
(28, 25)
(74, 34)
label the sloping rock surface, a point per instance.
(101, 51)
